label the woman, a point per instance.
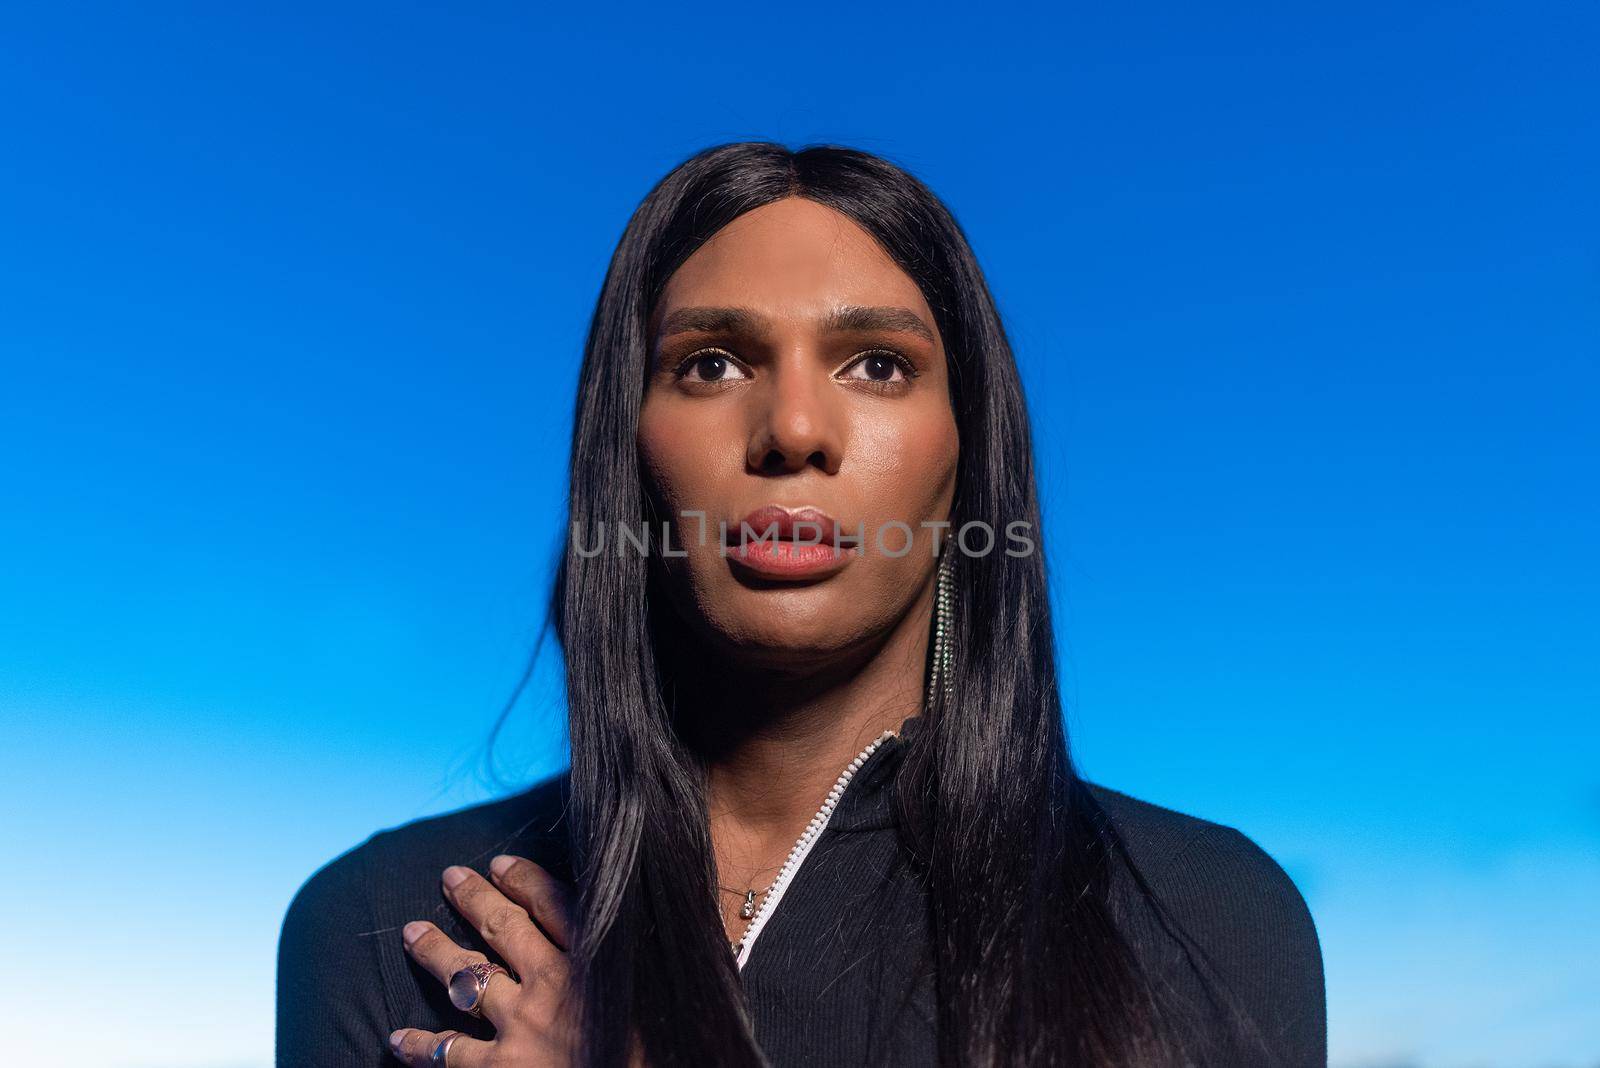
(810, 680)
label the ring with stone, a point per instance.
(468, 984)
(441, 1052)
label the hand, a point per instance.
(533, 1022)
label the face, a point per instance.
(795, 366)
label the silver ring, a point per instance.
(468, 984)
(441, 1052)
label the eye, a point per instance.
(881, 366)
(710, 365)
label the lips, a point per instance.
(790, 543)
(785, 524)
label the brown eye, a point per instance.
(880, 365)
(710, 366)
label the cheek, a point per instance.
(679, 456)
(912, 462)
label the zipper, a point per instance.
(802, 846)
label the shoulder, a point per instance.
(1192, 852)
(533, 820)
(1210, 871)
(1227, 911)
(530, 823)
(340, 933)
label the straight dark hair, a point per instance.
(1031, 967)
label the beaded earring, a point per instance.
(943, 655)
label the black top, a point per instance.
(832, 979)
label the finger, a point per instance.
(415, 1048)
(504, 924)
(438, 953)
(547, 899)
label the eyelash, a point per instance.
(900, 361)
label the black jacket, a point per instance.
(833, 978)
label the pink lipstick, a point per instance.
(801, 543)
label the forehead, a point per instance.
(791, 257)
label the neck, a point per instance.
(774, 743)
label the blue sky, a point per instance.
(1305, 300)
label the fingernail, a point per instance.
(411, 932)
(455, 876)
(394, 1039)
(501, 864)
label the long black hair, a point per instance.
(1031, 966)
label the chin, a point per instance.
(764, 639)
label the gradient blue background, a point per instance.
(291, 304)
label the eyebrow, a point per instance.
(857, 317)
(850, 318)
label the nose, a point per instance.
(796, 422)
